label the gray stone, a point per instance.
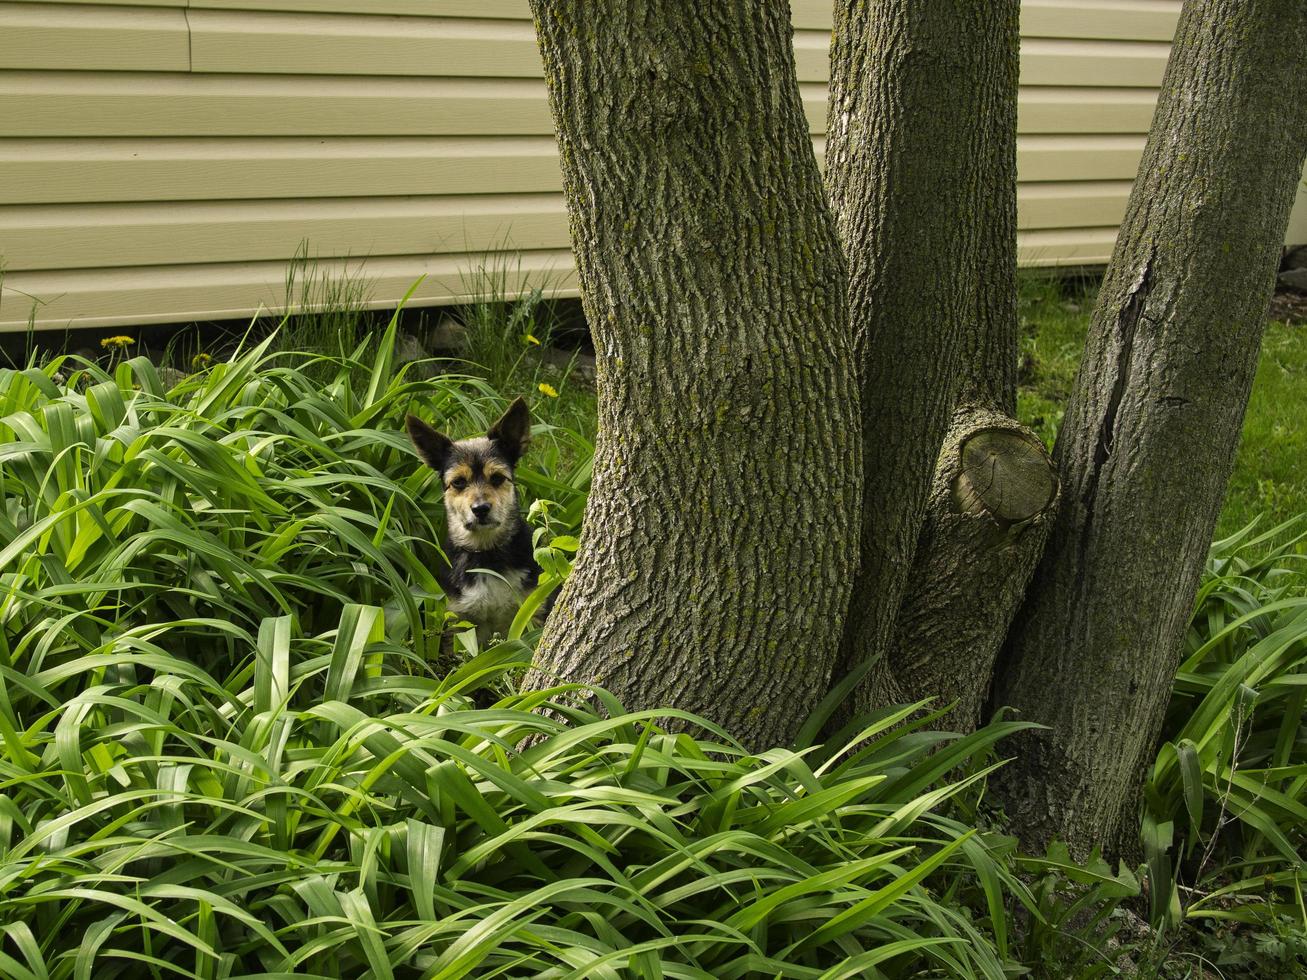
(409, 350)
(1294, 279)
(449, 335)
(582, 365)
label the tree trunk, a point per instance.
(716, 563)
(991, 507)
(1150, 434)
(918, 90)
(994, 491)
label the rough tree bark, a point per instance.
(1150, 434)
(909, 139)
(716, 562)
(994, 490)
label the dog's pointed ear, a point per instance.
(434, 448)
(512, 432)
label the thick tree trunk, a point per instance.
(1150, 434)
(716, 560)
(920, 160)
(994, 490)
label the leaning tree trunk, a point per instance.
(994, 491)
(1150, 434)
(915, 85)
(715, 567)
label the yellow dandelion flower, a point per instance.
(547, 389)
(200, 361)
(533, 339)
(116, 343)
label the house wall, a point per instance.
(162, 160)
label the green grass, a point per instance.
(1270, 474)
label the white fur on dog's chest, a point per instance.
(491, 601)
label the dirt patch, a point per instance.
(1289, 305)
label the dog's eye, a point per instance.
(497, 480)
(458, 484)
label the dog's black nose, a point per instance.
(481, 511)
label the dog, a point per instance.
(492, 566)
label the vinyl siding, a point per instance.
(161, 160)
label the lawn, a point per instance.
(1270, 477)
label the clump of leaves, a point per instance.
(321, 810)
(225, 750)
(1276, 948)
(1225, 816)
(1078, 914)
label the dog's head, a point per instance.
(477, 474)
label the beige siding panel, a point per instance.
(812, 56)
(1131, 64)
(1109, 19)
(53, 171)
(110, 236)
(1066, 246)
(106, 3)
(1115, 20)
(1044, 61)
(499, 9)
(167, 294)
(84, 104)
(1065, 204)
(1058, 158)
(1298, 220)
(73, 237)
(1125, 20)
(1062, 109)
(160, 104)
(350, 44)
(49, 171)
(416, 132)
(1148, 20)
(93, 38)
